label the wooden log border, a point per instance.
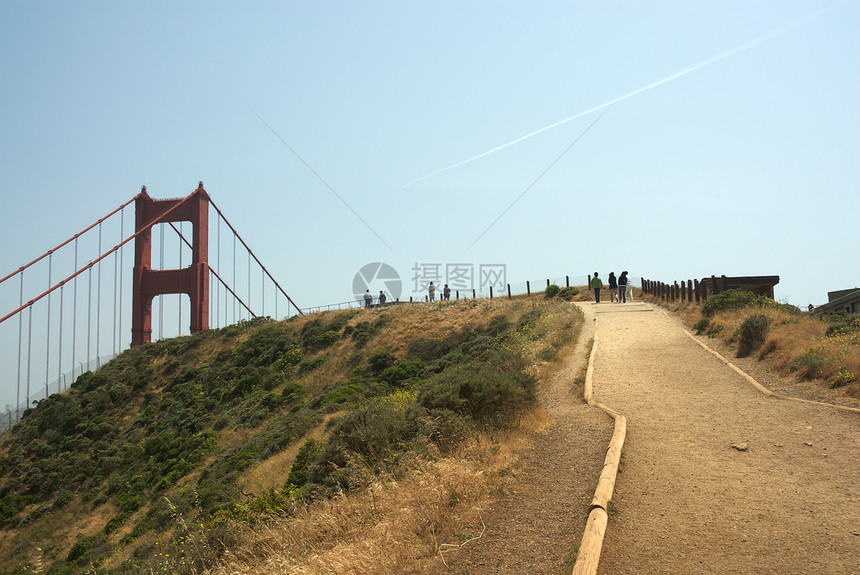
(598, 515)
(758, 385)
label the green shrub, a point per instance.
(568, 293)
(378, 362)
(552, 290)
(548, 354)
(752, 333)
(480, 391)
(702, 325)
(809, 364)
(299, 471)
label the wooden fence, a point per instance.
(685, 290)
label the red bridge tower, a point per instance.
(193, 280)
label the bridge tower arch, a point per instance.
(193, 280)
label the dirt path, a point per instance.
(536, 527)
(688, 502)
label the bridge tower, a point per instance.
(193, 280)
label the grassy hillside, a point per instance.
(824, 352)
(170, 458)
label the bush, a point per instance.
(809, 365)
(752, 333)
(568, 293)
(299, 471)
(702, 325)
(552, 290)
(482, 392)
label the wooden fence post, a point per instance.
(528, 288)
(566, 281)
(725, 282)
(698, 290)
(509, 291)
(457, 294)
(491, 292)
(690, 291)
(473, 294)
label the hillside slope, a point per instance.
(173, 443)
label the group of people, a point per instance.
(368, 298)
(620, 288)
(431, 292)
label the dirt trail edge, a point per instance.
(715, 476)
(535, 528)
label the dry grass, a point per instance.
(391, 526)
(404, 525)
(273, 472)
(796, 345)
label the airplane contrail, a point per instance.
(713, 59)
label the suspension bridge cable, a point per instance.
(250, 251)
(221, 281)
(74, 237)
(234, 276)
(161, 296)
(180, 267)
(235, 296)
(218, 291)
(113, 337)
(100, 258)
(29, 352)
(48, 335)
(121, 267)
(75, 315)
(89, 312)
(60, 342)
(20, 331)
(98, 303)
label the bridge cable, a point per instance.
(89, 313)
(74, 237)
(48, 335)
(121, 267)
(221, 281)
(20, 330)
(161, 296)
(75, 317)
(60, 346)
(29, 352)
(251, 252)
(98, 303)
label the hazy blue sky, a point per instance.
(731, 144)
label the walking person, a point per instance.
(596, 285)
(629, 286)
(622, 287)
(381, 298)
(431, 290)
(613, 287)
(368, 299)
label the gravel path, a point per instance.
(785, 499)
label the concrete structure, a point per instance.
(841, 301)
(761, 285)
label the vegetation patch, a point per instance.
(158, 439)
